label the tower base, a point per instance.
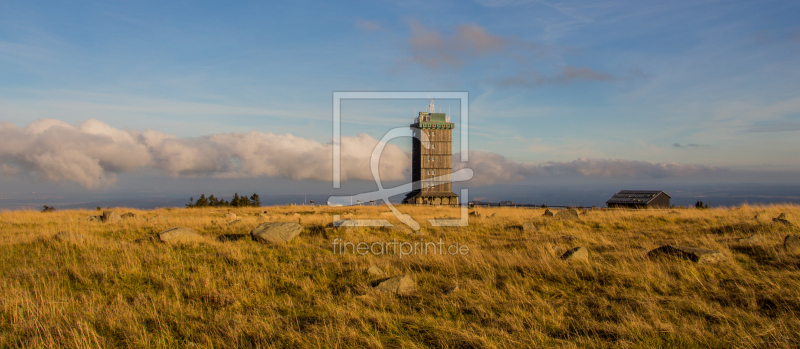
(431, 198)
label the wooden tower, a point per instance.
(432, 167)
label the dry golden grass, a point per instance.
(513, 290)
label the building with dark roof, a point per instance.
(639, 199)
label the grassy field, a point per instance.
(513, 290)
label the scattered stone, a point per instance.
(530, 227)
(576, 254)
(110, 217)
(397, 285)
(752, 239)
(569, 214)
(276, 232)
(93, 218)
(235, 222)
(374, 271)
(230, 215)
(451, 289)
(791, 243)
(475, 214)
(66, 236)
(784, 218)
(180, 235)
(694, 254)
(548, 213)
(130, 215)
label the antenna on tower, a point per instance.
(431, 108)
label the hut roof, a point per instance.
(635, 197)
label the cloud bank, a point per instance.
(93, 153)
(491, 168)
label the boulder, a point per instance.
(110, 217)
(374, 271)
(66, 236)
(398, 285)
(694, 254)
(276, 232)
(180, 235)
(791, 243)
(475, 214)
(230, 215)
(784, 218)
(529, 227)
(576, 254)
(752, 239)
(548, 213)
(129, 215)
(570, 214)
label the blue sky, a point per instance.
(712, 84)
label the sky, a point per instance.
(100, 100)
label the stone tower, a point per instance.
(431, 167)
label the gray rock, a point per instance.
(548, 213)
(694, 254)
(784, 218)
(235, 222)
(398, 285)
(530, 227)
(791, 243)
(93, 218)
(576, 254)
(276, 232)
(569, 214)
(475, 214)
(374, 271)
(230, 215)
(180, 235)
(111, 217)
(129, 215)
(752, 239)
(66, 236)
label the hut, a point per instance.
(639, 199)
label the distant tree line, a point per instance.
(700, 204)
(237, 201)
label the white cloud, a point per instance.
(93, 153)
